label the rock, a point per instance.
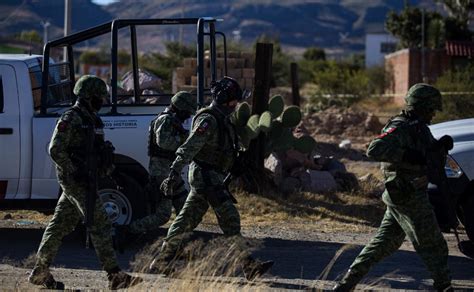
(346, 181)
(305, 180)
(371, 184)
(274, 164)
(321, 181)
(290, 185)
(7, 216)
(372, 123)
(333, 165)
(345, 144)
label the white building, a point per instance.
(377, 45)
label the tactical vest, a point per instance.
(153, 149)
(93, 129)
(413, 127)
(219, 157)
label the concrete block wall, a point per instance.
(405, 68)
(240, 66)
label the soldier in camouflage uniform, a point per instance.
(166, 134)
(212, 148)
(66, 148)
(402, 147)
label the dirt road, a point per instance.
(301, 256)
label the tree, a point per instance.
(407, 25)
(30, 36)
(458, 9)
(457, 24)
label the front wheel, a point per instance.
(123, 200)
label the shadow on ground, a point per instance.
(294, 260)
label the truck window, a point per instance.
(59, 93)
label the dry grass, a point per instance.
(214, 265)
(382, 107)
(26, 263)
(29, 215)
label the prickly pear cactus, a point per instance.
(276, 124)
(241, 114)
(265, 122)
(276, 105)
(291, 116)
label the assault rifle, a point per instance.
(91, 195)
(436, 160)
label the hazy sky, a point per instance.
(104, 2)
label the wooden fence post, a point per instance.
(295, 84)
(260, 95)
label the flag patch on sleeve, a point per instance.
(203, 127)
(390, 130)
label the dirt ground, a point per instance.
(304, 258)
(312, 238)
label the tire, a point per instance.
(123, 200)
(467, 215)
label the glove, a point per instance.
(414, 157)
(171, 183)
(446, 142)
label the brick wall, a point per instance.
(405, 69)
(240, 66)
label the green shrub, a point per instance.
(102, 57)
(458, 94)
(338, 85)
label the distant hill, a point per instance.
(328, 24)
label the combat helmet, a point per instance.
(184, 101)
(90, 87)
(423, 96)
(227, 89)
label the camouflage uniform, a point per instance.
(68, 139)
(168, 134)
(408, 212)
(211, 149)
(67, 149)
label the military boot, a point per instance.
(121, 280)
(348, 282)
(43, 277)
(253, 268)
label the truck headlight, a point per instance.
(452, 168)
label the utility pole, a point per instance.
(67, 24)
(45, 25)
(181, 33)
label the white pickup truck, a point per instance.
(27, 173)
(32, 97)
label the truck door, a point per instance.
(9, 133)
